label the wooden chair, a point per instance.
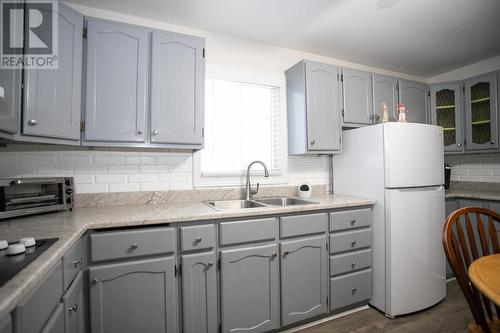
(469, 233)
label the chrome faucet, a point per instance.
(249, 191)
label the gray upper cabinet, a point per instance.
(446, 111)
(52, 98)
(385, 90)
(250, 289)
(177, 89)
(481, 112)
(312, 103)
(414, 95)
(10, 100)
(199, 293)
(357, 98)
(116, 82)
(304, 273)
(138, 296)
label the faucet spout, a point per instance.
(248, 187)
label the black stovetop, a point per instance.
(11, 265)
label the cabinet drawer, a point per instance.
(350, 261)
(31, 314)
(72, 262)
(72, 300)
(55, 324)
(350, 289)
(248, 231)
(303, 225)
(197, 237)
(350, 219)
(350, 240)
(131, 243)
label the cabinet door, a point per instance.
(55, 324)
(323, 121)
(446, 111)
(304, 274)
(357, 97)
(249, 289)
(199, 293)
(385, 90)
(414, 96)
(116, 73)
(450, 207)
(177, 86)
(138, 296)
(481, 112)
(10, 92)
(6, 324)
(74, 316)
(52, 97)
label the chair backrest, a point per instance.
(469, 233)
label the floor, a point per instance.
(451, 315)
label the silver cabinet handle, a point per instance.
(155, 132)
(492, 142)
(210, 263)
(33, 122)
(353, 243)
(353, 221)
(459, 145)
(354, 290)
(140, 132)
(313, 142)
(198, 240)
(286, 253)
(94, 281)
(73, 307)
(274, 255)
(78, 262)
(353, 264)
(134, 246)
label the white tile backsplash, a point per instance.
(127, 170)
(475, 168)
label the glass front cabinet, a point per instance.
(446, 106)
(481, 112)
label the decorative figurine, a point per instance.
(401, 110)
(384, 113)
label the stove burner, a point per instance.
(10, 265)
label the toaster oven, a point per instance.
(26, 196)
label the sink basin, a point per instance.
(284, 201)
(233, 204)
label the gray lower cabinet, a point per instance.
(250, 289)
(116, 82)
(356, 97)
(304, 285)
(74, 307)
(55, 324)
(199, 293)
(136, 296)
(450, 206)
(177, 86)
(52, 98)
(414, 95)
(385, 90)
(6, 324)
(312, 106)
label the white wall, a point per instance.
(478, 68)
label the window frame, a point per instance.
(228, 179)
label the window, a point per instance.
(243, 123)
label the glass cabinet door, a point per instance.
(481, 112)
(446, 111)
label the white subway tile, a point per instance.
(103, 160)
(90, 169)
(155, 187)
(123, 168)
(172, 177)
(122, 187)
(84, 179)
(38, 158)
(143, 178)
(153, 168)
(111, 178)
(91, 188)
(55, 169)
(481, 172)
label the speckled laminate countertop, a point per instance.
(472, 194)
(70, 226)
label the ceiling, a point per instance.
(418, 37)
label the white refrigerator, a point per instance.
(400, 165)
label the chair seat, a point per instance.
(494, 326)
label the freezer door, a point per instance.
(415, 263)
(414, 155)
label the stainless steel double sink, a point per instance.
(257, 203)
